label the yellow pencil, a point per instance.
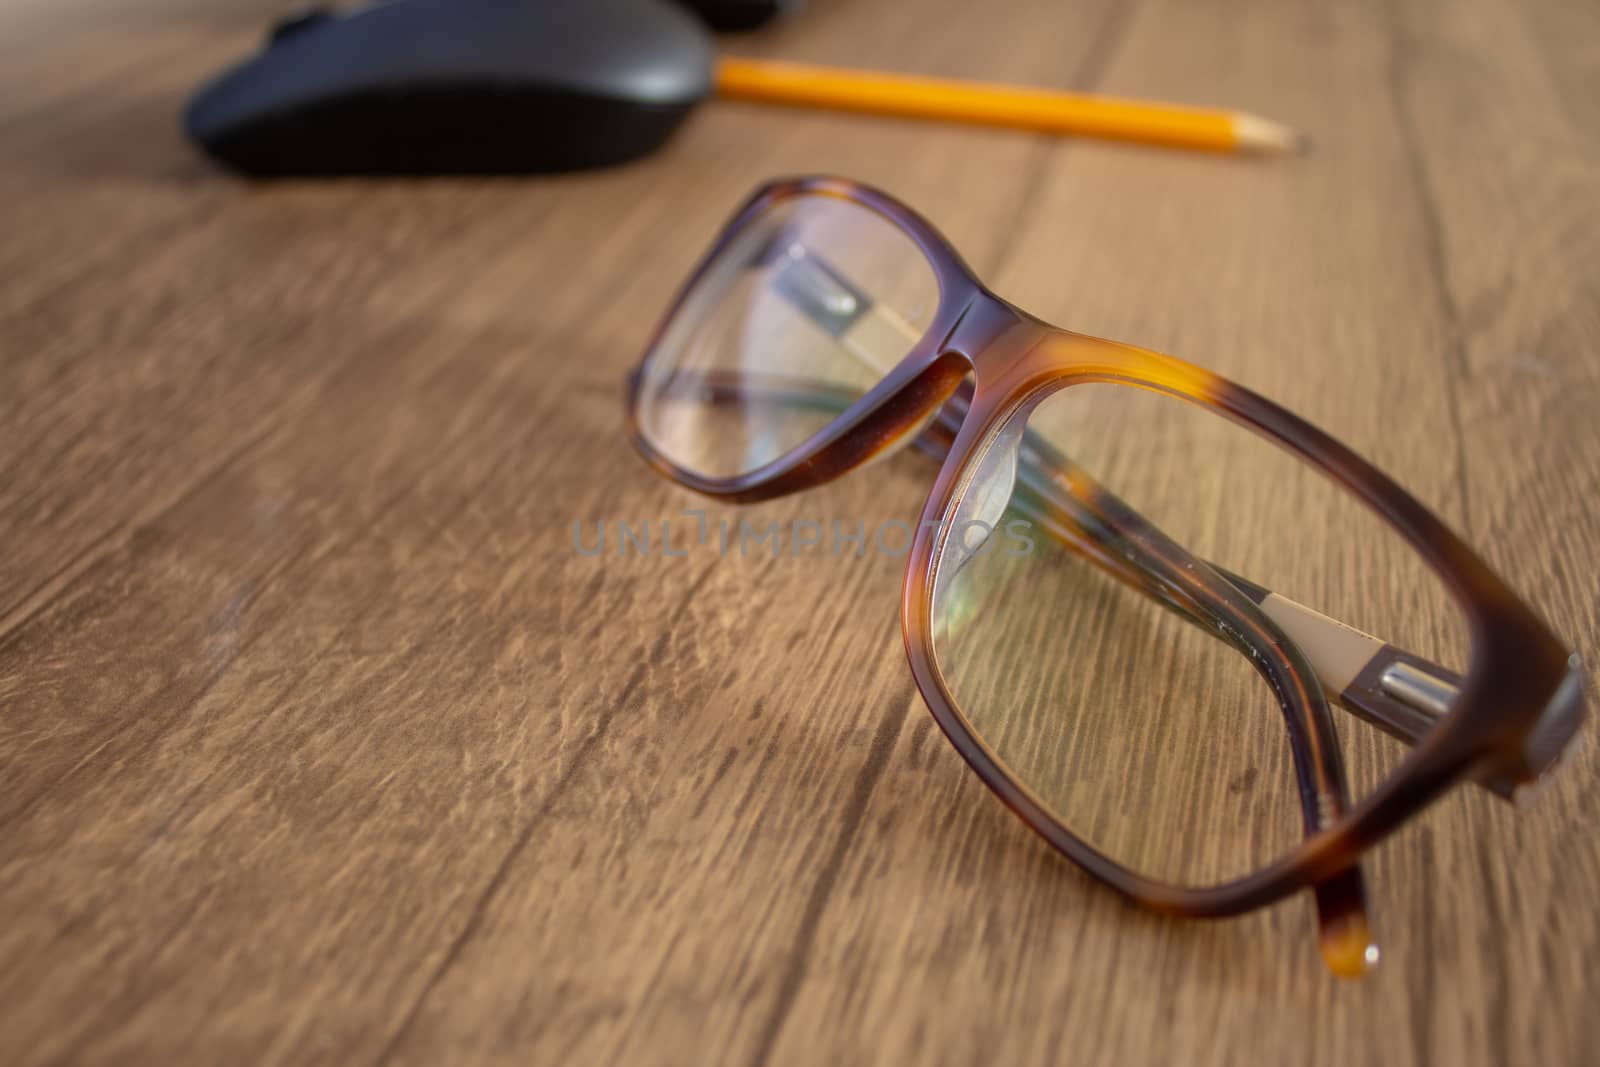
(1042, 110)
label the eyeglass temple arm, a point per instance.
(1399, 692)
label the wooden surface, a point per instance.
(320, 744)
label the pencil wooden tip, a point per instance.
(1256, 134)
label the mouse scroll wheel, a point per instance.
(301, 20)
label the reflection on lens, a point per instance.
(807, 308)
(1145, 730)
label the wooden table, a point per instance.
(320, 744)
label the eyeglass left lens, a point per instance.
(804, 310)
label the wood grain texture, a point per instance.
(320, 743)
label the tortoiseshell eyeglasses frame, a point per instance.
(1510, 718)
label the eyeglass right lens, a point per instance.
(805, 310)
(1100, 672)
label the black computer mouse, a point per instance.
(736, 16)
(458, 87)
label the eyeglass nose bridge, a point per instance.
(982, 329)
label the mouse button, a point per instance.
(298, 22)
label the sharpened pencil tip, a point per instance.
(1256, 134)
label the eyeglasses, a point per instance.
(1137, 591)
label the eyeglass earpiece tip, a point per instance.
(1348, 948)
